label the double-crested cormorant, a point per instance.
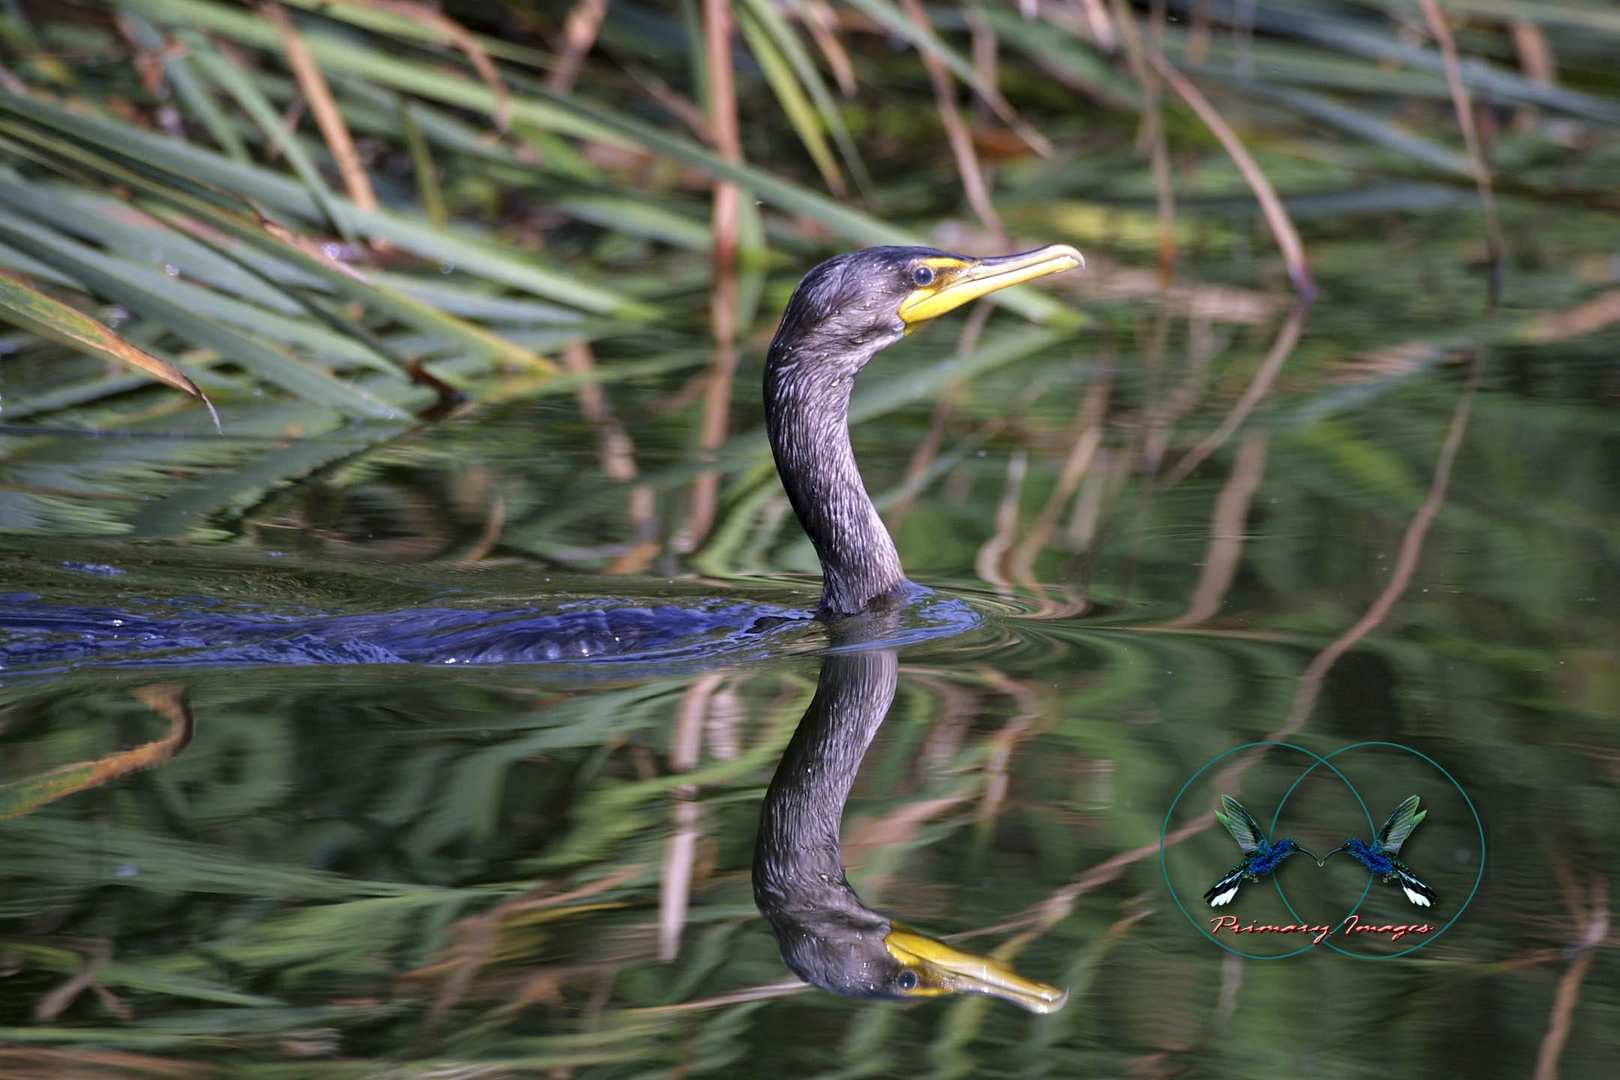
(827, 935)
(843, 313)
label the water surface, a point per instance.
(1178, 536)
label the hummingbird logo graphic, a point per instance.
(1260, 857)
(1379, 857)
(1383, 852)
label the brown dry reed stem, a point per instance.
(1564, 1002)
(1226, 532)
(718, 31)
(819, 21)
(617, 452)
(1406, 563)
(1087, 436)
(1059, 904)
(1226, 1001)
(997, 766)
(147, 60)
(458, 36)
(1203, 345)
(1101, 482)
(956, 131)
(1536, 56)
(53, 1004)
(477, 936)
(680, 851)
(987, 563)
(1470, 131)
(1164, 185)
(1537, 61)
(672, 101)
(944, 405)
(291, 117)
(1098, 24)
(1602, 311)
(1259, 386)
(986, 51)
(578, 37)
(705, 497)
(1026, 132)
(11, 84)
(955, 708)
(476, 487)
(924, 455)
(616, 449)
(1199, 33)
(973, 329)
(168, 700)
(1282, 227)
(1152, 138)
(720, 1001)
(82, 1063)
(867, 840)
(1596, 928)
(328, 117)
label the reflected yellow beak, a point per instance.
(942, 970)
(956, 281)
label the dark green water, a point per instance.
(1411, 535)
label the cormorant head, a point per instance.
(853, 305)
(858, 953)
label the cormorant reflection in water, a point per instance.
(827, 935)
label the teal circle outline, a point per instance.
(1479, 824)
(1164, 830)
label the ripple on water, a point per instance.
(37, 636)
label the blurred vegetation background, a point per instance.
(480, 293)
(324, 213)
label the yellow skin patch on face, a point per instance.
(942, 970)
(945, 269)
(957, 281)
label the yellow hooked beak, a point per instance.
(956, 281)
(941, 970)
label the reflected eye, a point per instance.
(923, 275)
(908, 979)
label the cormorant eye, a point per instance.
(923, 275)
(908, 979)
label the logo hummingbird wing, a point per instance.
(1406, 817)
(1249, 836)
(1416, 891)
(1223, 890)
(1241, 824)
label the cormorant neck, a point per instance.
(807, 396)
(798, 872)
